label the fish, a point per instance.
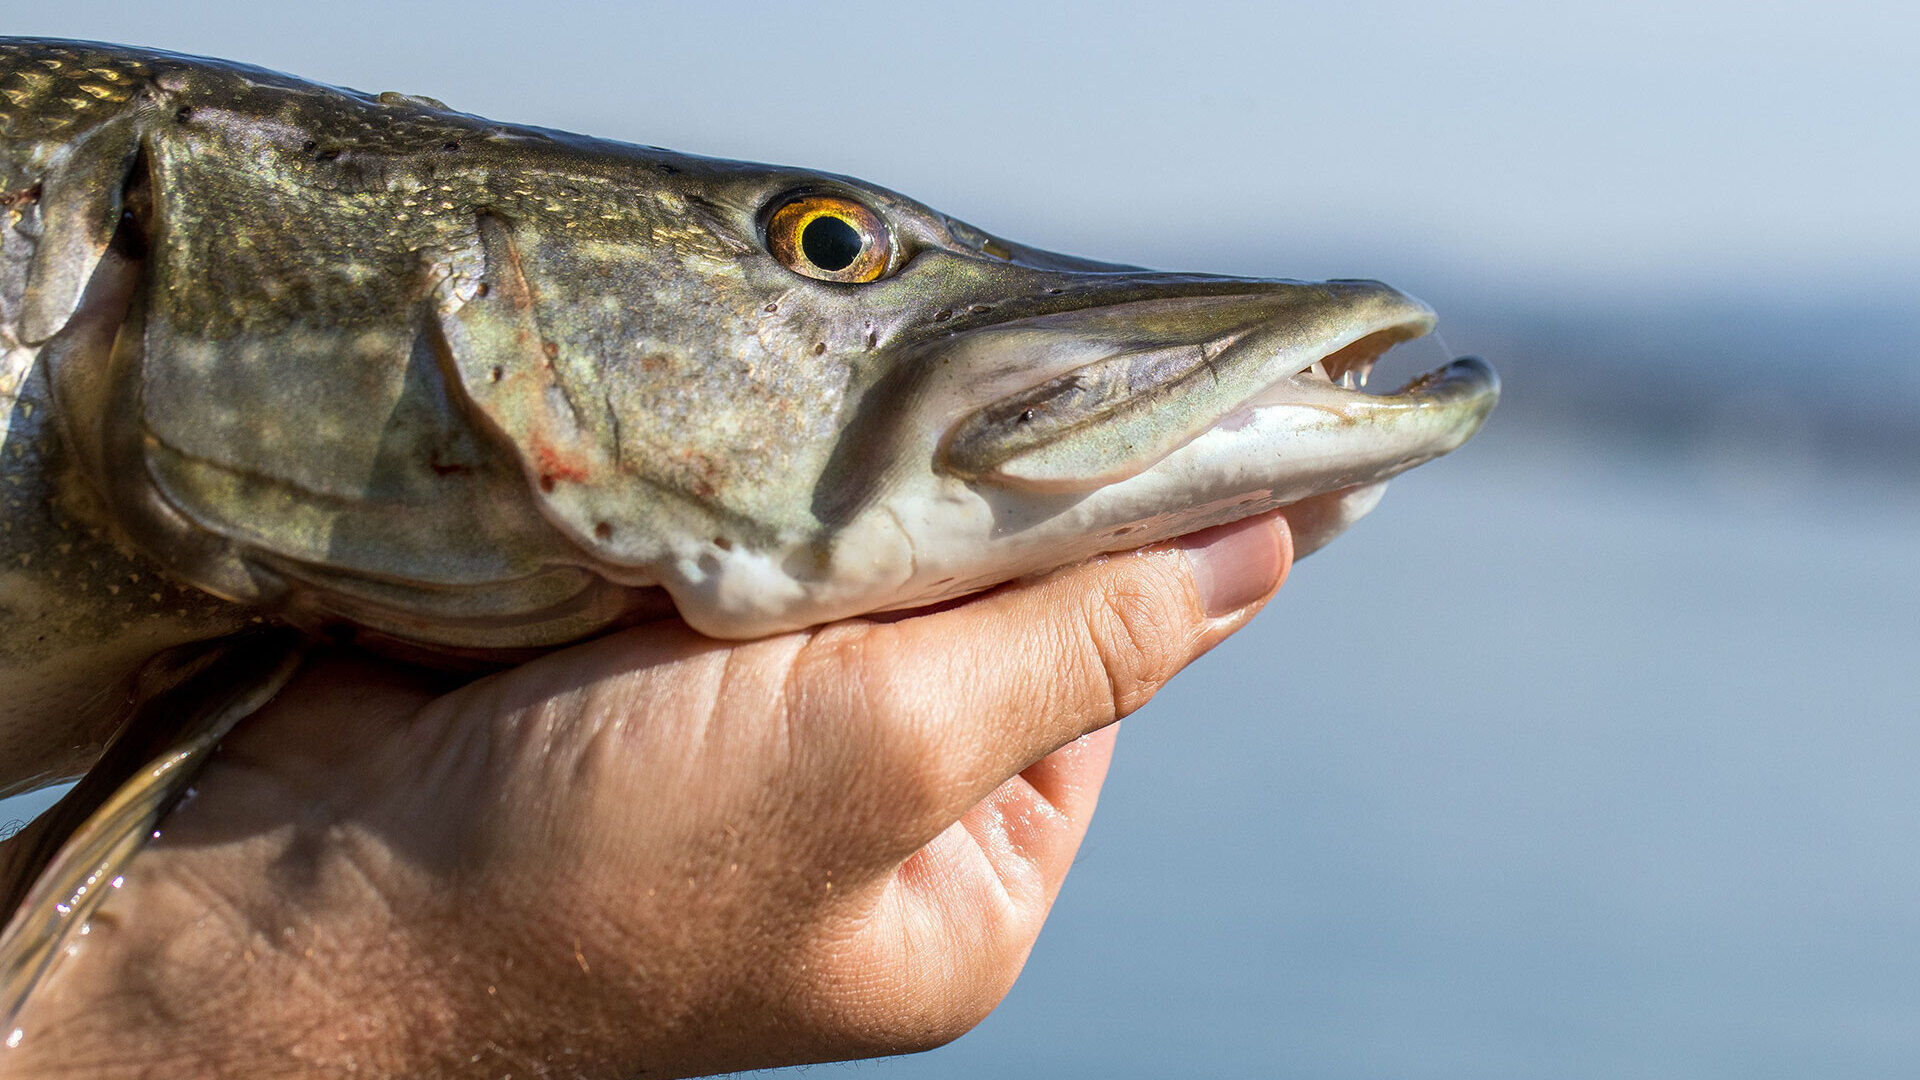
(283, 362)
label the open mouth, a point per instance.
(1339, 380)
(1306, 359)
(1351, 366)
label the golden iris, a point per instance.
(830, 237)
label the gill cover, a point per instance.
(257, 396)
(659, 409)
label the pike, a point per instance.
(280, 361)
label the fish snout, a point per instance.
(1084, 398)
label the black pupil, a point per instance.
(830, 243)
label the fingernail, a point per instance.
(1234, 565)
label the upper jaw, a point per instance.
(1081, 399)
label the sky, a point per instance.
(1538, 149)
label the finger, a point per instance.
(969, 905)
(957, 701)
(1031, 826)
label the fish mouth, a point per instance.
(1144, 379)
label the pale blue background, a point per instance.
(1593, 752)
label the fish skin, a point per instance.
(360, 361)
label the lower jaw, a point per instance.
(1323, 450)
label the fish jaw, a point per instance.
(1257, 425)
(1168, 370)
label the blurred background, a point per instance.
(1593, 752)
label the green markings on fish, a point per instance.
(374, 369)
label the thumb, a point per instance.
(958, 701)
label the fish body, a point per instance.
(375, 368)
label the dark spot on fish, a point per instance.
(873, 339)
(183, 114)
(1026, 416)
(496, 374)
(819, 347)
(445, 468)
(546, 482)
(309, 146)
(451, 147)
(655, 362)
(723, 543)
(603, 530)
(1055, 292)
(481, 290)
(772, 308)
(551, 348)
(943, 315)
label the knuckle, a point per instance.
(882, 762)
(1142, 631)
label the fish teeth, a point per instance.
(1320, 368)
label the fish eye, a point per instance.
(830, 237)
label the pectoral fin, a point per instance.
(78, 208)
(191, 697)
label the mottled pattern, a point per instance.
(53, 94)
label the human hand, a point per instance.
(651, 854)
